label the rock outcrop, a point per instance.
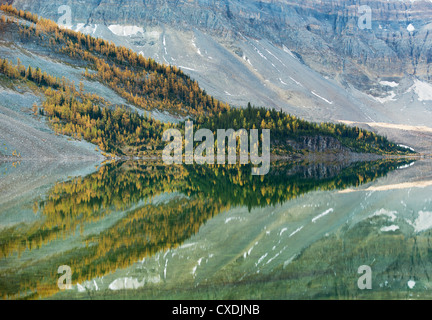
(318, 144)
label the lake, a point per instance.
(142, 230)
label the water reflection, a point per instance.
(105, 222)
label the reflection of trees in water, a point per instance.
(235, 185)
(151, 227)
(87, 200)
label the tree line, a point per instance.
(87, 116)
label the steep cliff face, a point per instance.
(324, 33)
(318, 144)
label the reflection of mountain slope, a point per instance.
(99, 223)
(310, 248)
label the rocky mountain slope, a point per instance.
(308, 58)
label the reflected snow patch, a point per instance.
(406, 147)
(322, 214)
(298, 230)
(286, 263)
(261, 259)
(423, 222)
(384, 212)
(390, 228)
(187, 245)
(411, 284)
(126, 283)
(227, 220)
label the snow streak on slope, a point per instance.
(125, 31)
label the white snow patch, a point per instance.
(66, 26)
(289, 261)
(247, 60)
(423, 222)
(227, 220)
(187, 245)
(270, 260)
(195, 46)
(411, 284)
(283, 82)
(80, 288)
(406, 166)
(84, 28)
(165, 269)
(390, 228)
(125, 31)
(261, 259)
(79, 26)
(262, 56)
(384, 212)
(126, 283)
(289, 52)
(164, 44)
(276, 58)
(196, 267)
(249, 251)
(298, 230)
(155, 279)
(410, 27)
(282, 231)
(322, 214)
(259, 52)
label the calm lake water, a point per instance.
(147, 231)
